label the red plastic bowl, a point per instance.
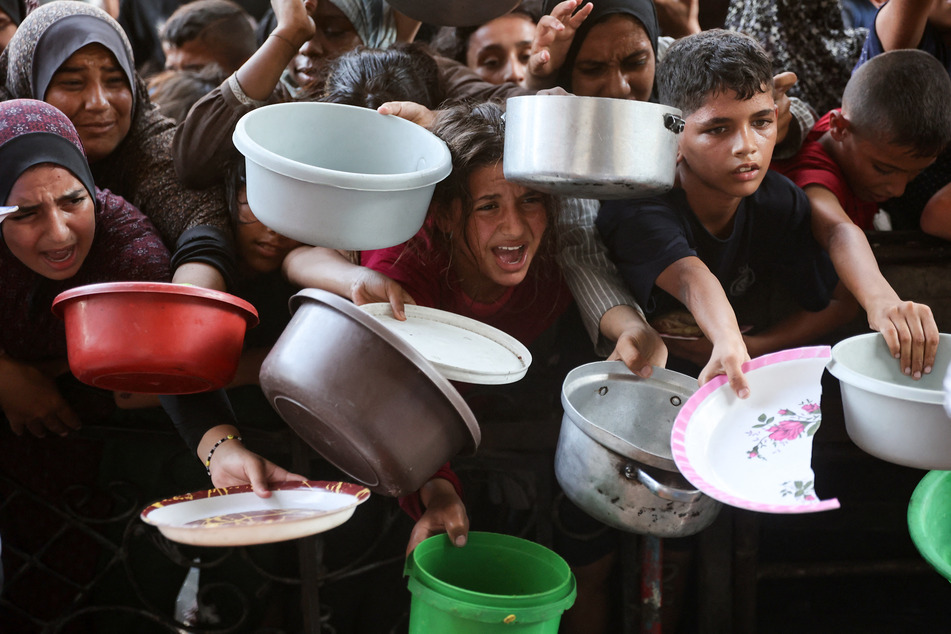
(152, 337)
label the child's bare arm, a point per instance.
(330, 270)
(901, 23)
(636, 344)
(259, 75)
(689, 280)
(909, 328)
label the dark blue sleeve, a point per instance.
(798, 263)
(931, 42)
(643, 237)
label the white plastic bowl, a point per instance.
(339, 176)
(887, 414)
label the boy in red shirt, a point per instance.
(893, 123)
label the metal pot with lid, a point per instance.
(614, 459)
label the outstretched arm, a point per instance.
(445, 513)
(909, 328)
(689, 280)
(330, 270)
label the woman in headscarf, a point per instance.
(11, 14)
(77, 58)
(58, 231)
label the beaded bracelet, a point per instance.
(210, 453)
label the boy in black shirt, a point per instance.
(729, 227)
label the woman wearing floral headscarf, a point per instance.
(77, 58)
(58, 231)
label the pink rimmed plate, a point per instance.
(235, 516)
(756, 453)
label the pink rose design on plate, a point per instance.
(770, 436)
(786, 430)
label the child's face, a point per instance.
(501, 235)
(875, 170)
(727, 144)
(54, 228)
(498, 51)
(260, 248)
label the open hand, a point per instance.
(553, 36)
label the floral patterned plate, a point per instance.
(235, 516)
(756, 453)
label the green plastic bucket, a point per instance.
(929, 520)
(495, 583)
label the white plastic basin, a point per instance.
(887, 414)
(339, 176)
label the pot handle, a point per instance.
(674, 123)
(660, 490)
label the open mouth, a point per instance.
(510, 256)
(60, 258)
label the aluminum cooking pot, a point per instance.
(614, 459)
(591, 147)
(363, 398)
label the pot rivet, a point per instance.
(603, 390)
(675, 401)
(630, 472)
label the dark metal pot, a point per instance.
(591, 147)
(614, 459)
(362, 398)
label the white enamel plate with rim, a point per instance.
(756, 453)
(462, 349)
(235, 516)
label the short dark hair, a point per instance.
(903, 96)
(709, 63)
(370, 77)
(176, 91)
(221, 24)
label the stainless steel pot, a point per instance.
(363, 398)
(591, 147)
(613, 458)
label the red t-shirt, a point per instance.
(524, 311)
(813, 166)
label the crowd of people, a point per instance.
(118, 169)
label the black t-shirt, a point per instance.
(771, 243)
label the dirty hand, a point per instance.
(640, 347)
(910, 332)
(553, 36)
(781, 84)
(371, 286)
(233, 464)
(32, 402)
(445, 513)
(411, 111)
(728, 358)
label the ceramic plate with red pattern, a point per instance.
(235, 516)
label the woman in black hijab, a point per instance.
(11, 14)
(607, 48)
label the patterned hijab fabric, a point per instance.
(33, 132)
(807, 37)
(140, 169)
(642, 10)
(372, 19)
